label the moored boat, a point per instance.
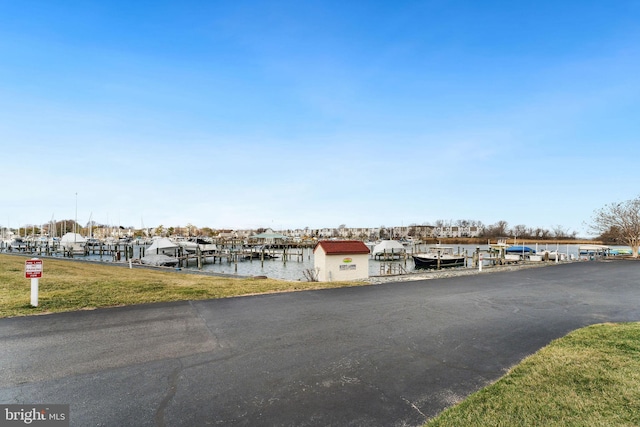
(195, 245)
(438, 257)
(520, 249)
(387, 249)
(159, 260)
(162, 246)
(73, 242)
(591, 251)
(621, 252)
(519, 253)
(548, 255)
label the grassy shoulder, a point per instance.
(76, 285)
(591, 377)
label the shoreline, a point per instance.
(458, 272)
(510, 240)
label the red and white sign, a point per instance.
(33, 269)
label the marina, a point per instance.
(291, 261)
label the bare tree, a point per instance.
(559, 232)
(311, 274)
(499, 229)
(623, 218)
(520, 230)
(541, 233)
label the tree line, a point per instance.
(499, 229)
(502, 229)
(615, 223)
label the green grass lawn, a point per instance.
(68, 285)
(591, 377)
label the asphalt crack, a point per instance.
(414, 407)
(171, 392)
(205, 324)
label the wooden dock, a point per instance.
(245, 254)
(230, 252)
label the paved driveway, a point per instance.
(385, 355)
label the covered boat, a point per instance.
(159, 260)
(388, 249)
(438, 257)
(193, 245)
(518, 253)
(73, 242)
(594, 250)
(72, 238)
(522, 250)
(162, 246)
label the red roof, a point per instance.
(337, 247)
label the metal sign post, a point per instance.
(33, 271)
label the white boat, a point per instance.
(520, 253)
(500, 246)
(192, 246)
(438, 257)
(73, 242)
(592, 251)
(17, 244)
(188, 246)
(388, 249)
(159, 260)
(553, 255)
(162, 246)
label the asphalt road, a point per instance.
(394, 354)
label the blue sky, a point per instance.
(286, 114)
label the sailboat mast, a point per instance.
(75, 223)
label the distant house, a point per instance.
(337, 260)
(269, 237)
(227, 234)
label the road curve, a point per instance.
(393, 354)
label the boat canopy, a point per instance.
(520, 249)
(593, 249)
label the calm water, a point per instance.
(295, 267)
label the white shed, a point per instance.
(337, 260)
